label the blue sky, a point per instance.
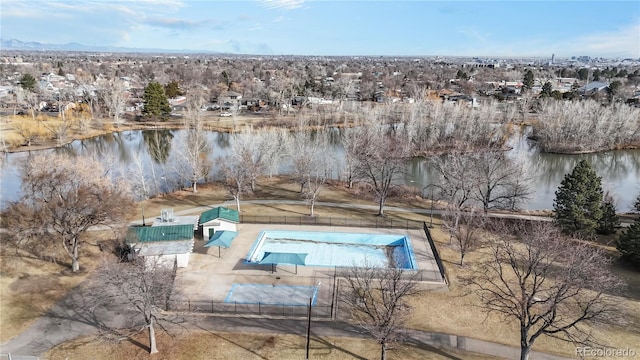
(299, 27)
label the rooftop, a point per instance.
(159, 233)
(220, 213)
(177, 220)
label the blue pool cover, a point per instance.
(329, 249)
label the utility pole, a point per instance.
(308, 329)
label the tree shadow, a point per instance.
(229, 340)
(417, 343)
(329, 345)
(242, 264)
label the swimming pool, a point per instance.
(339, 249)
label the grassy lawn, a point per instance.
(29, 287)
(457, 311)
(282, 188)
(209, 345)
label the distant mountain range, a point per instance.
(14, 44)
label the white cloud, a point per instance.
(623, 42)
(174, 23)
(474, 34)
(281, 4)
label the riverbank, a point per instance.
(12, 141)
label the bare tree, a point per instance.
(301, 151)
(63, 197)
(28, 130)
(114, 95)
(143, 183)
(236, 177)
(579, 126)
(550, 285)
(463, 227)
(487, 178)
(377, 298)
(381, 157)
(500, 182)
(33, 102)
(141, 284)
(273, 148)
(251, 146)
(456, 181)
(194, 162)
(350, 144)
(319, 169)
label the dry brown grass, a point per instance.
(282, 188)
(458, 311)
(29, 287)
(208, 345)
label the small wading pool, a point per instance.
(329, 249)
(272, 294)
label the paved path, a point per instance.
(200, 209)
(74, 317)
(435, 342)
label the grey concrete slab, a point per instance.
(209, 277)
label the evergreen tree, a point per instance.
(28, 82)
(578, 203)
(547, 88)
(172, 89)
(583, 74)
(629, 241)
(528, 80)
(609, 220)
(155, 101)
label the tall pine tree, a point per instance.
(155, 101)
(528, 80)
(578, 203)
(609, 221)
(629, 241)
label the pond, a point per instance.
(154, 151)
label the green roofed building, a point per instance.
(218, 219)
(170, 244)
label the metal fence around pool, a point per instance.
(234, 308)
(332, 221)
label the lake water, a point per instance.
(155, 152)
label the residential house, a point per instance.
(167, 245)
(593, 88)
(218, 219)
(230, 100)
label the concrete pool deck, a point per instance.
(209, 277)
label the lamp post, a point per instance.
(430, 186)
(308, 329)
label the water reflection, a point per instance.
(158, 144)
(155, 151)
